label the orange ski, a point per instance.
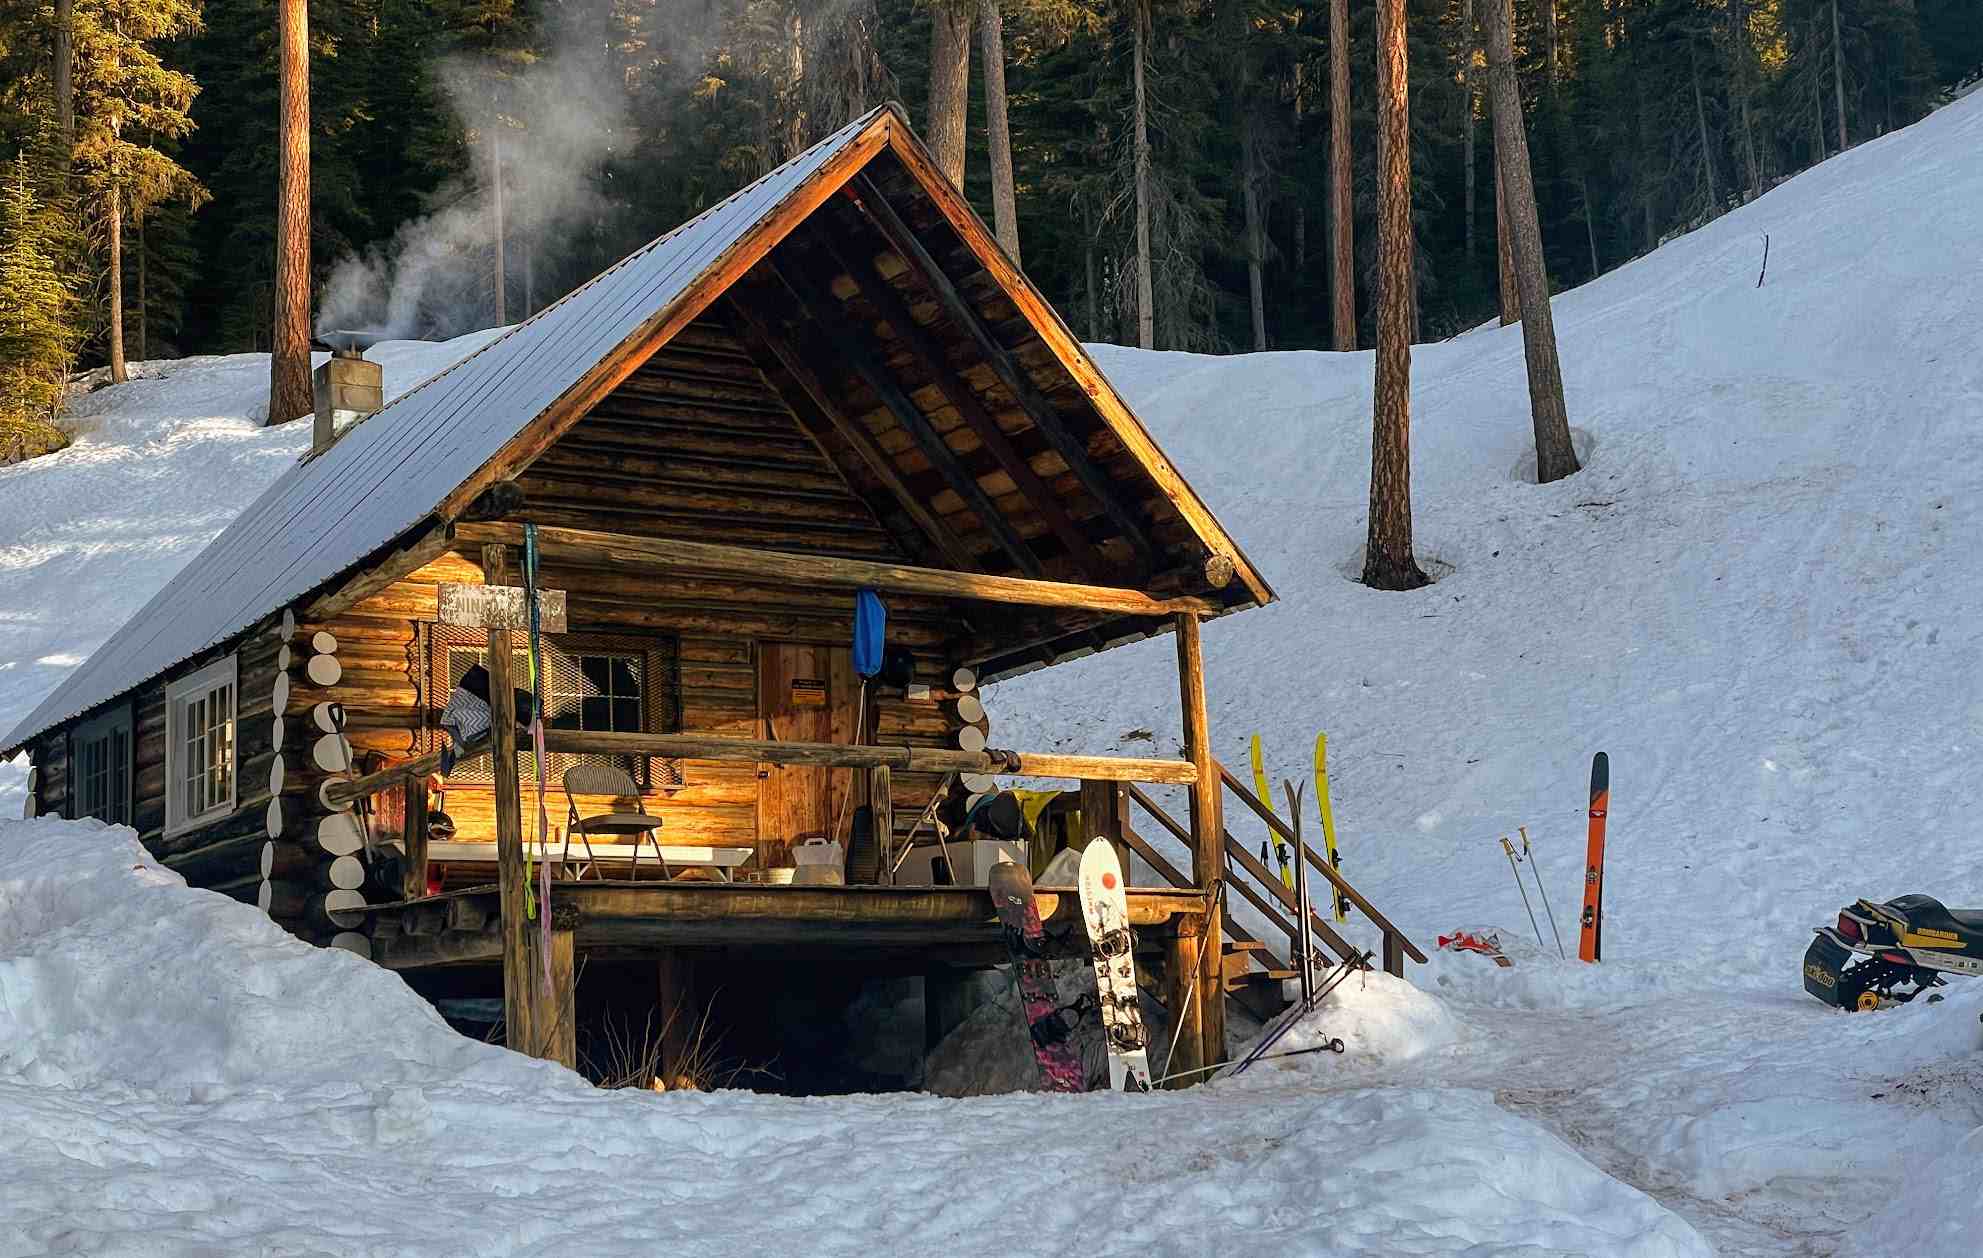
(1590, 945)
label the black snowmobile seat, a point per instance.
(1925, 912)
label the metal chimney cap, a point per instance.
(349, 344)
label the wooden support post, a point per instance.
(1394, 954)
(1207, 831)
(413, 871)
(881, 802)
(1184, 994)
(557, 1006)
(1101, 818)
(526, 1027)
(680, 1016)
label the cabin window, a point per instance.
(100, 757)
(199, 747)
(591, 682)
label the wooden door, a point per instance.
(806, 693)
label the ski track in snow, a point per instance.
(1760, 597)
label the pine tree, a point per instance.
(38, 333)
(125, 90)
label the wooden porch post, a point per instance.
(1207, 834)
(1185, 1000)
(413, 873)
(1101, 818)
(530, 1011)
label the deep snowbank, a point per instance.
(177, 1076)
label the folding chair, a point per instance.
(607, 779)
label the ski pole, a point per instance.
(1334, 1045)
(1537, 873)
(1515, 869)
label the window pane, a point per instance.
(595, 714)
(626, 715)
(597, 672)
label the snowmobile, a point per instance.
(1908, 940)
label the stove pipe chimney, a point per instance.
(349, 387)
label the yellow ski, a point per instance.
(1266, 796)
(1328, 819)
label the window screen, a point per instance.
(596, 683)
(102, 764)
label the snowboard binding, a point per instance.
(1909, 943)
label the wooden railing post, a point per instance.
(1207, 834)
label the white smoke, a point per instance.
(554, 122)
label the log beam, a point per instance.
(617, 550)
(371, 578)
(848, 756)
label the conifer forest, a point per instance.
(1166, 170)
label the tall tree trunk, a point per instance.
(499, 280)
(1504, 251)
(1388, 563)
(1146, 305)
(1590, 221)
(1256, 244)
(950, 85)
(1741, 49)
(1555, 457)
(64, 75)
(289, 358)
(1342, 211)
(144, 305)
(1701, 121)
(1094, 300)
(1005, 200)
(1817, 119)
(1838, 75)
(1467, 90)
(113, 202)
(1549, 42)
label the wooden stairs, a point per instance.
(1255, 973)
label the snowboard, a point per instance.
(1590, 941)
(1328, 823)
(1105, 907)
(1019, 919)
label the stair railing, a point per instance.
(1397, 946)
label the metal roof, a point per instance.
(389, 473)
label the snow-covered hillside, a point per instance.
(1761, 597)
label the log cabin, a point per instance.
(832, 381)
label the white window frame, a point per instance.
(178, 694)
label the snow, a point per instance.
(1760, 597)
(179, 1076)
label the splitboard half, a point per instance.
(1105, 908)
(1019, 917)
(1590, 940)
